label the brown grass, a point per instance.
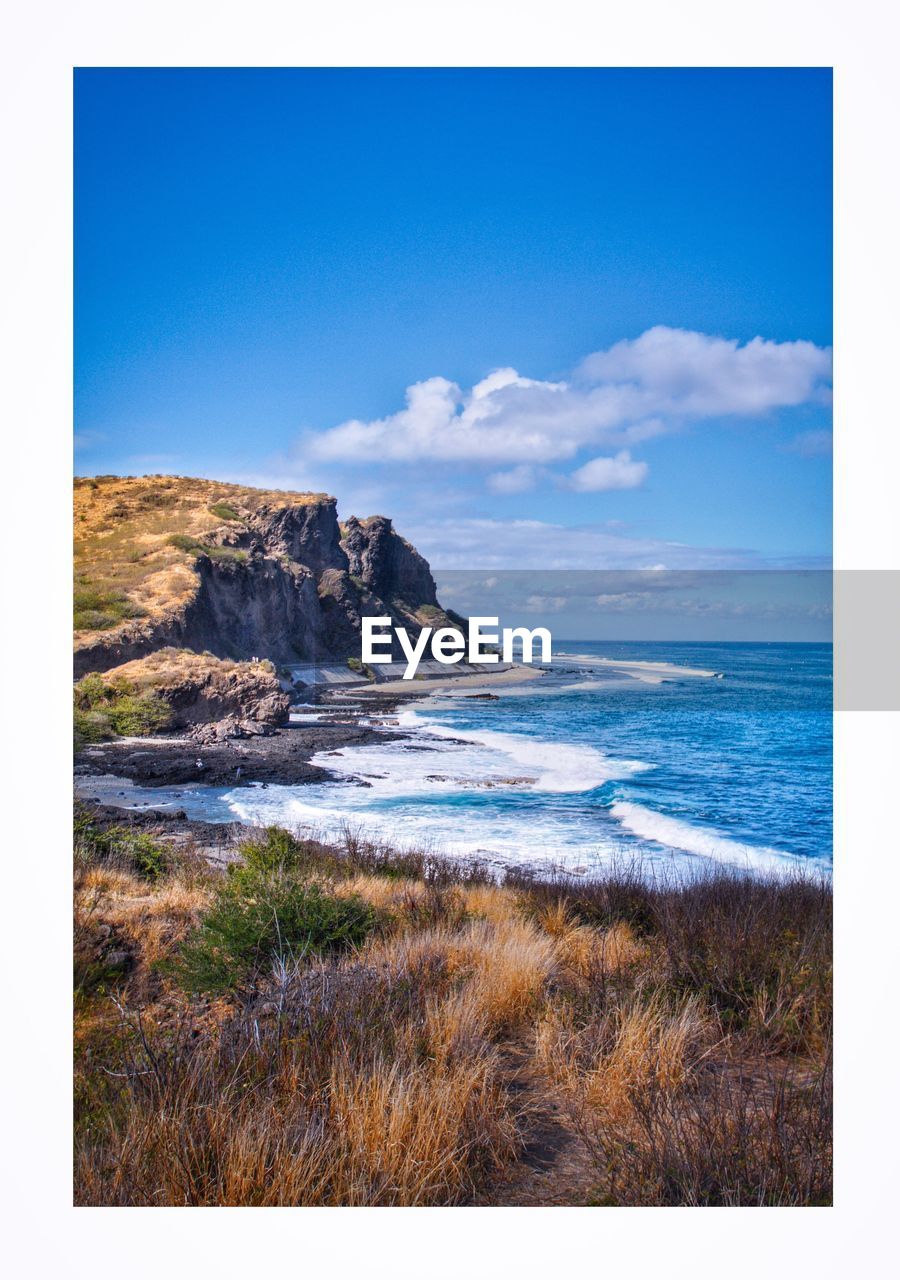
(122, 525)
(385, 1076)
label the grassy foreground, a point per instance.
(354, 1026)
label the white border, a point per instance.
(43, 42)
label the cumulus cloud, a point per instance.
(697, 375)
(601, 474)
(634, 390)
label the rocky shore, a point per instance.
(281, 757)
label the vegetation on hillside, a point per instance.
(356, 1026)
(129, 562)
(171, 688)
(107, 707)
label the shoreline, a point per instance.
(284, 754)
(433, 684)
(142, 779)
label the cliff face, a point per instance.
(273, 579)
(391, 567)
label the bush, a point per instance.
(90, 726)
(263, 916)
(184, 542)
(95, 609)
(759, 950)
(223, 511)
(104, 709)
(194, 547)
(139, 714)
(277, 850)
(226, 553)
(120, 847)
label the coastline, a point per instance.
(284, 755)
(432, 684)
(416, 761)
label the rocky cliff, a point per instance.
(238, 573)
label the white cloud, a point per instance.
(634, 390)
(517, 480)
(703, 376)
(601, 474)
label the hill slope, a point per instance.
(238, 572)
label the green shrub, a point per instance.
(184, 542)
(90, 691)
(105, 708)
(362, 668)
(133, 850)
(194, 547)
(95, 609)
(223, 511)
(91, 726)
(139, 715)
(260, 916)
(226, 553)
(275, 850)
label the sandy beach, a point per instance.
(646, 672)
(435, 684)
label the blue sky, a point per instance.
(266, 262)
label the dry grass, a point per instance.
(605, 1063)
(122, 527)
(382, 1076)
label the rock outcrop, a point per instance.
(390, 567)
(213, 697)
(275, 577)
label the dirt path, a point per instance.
(553, 1167)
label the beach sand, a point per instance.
(646, 672)
(435, 684)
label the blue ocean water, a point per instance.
(587, 764)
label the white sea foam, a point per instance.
(398, 783)
(556, 766)
(699, 841)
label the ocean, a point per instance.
(586, 766)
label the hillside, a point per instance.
(351, 1025)
(171, 561)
